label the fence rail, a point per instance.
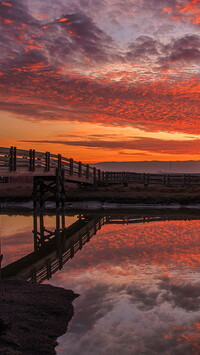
(20, 162)
(151, 179)
(31, 162)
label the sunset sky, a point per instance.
(101, 80)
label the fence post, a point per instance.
(99, 174)
(79, 169)
(87, 171)
(47, 161)
(30, 159)
(13, 159)
(71, 166)
(59, 163)
(33, 159)
(94, 174)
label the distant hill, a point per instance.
(152, 166)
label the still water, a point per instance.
(138, 280)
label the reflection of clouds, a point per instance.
(132, 319)
(184, 295)
(131, 302)
(119, 248)
(99, 304)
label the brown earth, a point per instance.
(32, 317)
(117, 194)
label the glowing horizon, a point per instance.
(108, 81)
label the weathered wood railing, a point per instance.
(31, 162)
(151, 179)
(15, 161)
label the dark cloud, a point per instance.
(72, 37)
(144, 47)
(66, 67)
(184, 49)
(142, 143)
(184, 295)
(100, 304)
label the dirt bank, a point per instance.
(32, 317)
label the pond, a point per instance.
(137, 275)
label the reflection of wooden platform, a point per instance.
(52, 249)
(53, 254)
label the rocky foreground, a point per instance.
(32, 317)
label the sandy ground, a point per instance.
(32, 317)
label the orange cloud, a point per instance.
(189, 11)
(6, 4)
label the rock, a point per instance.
(33, 316)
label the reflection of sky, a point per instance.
(139, 291)
(138, 284)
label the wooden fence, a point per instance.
(31, 162)
(152, 179)
(18, 162)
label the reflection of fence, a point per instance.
(53, 248)
(145, 219)
(52, 254)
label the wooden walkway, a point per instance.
(16, 162)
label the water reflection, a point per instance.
(138, 282)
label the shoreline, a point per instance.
(95, 205)
(133, 195)
(33, 317)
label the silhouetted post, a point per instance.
(42, 228)
(79, 169)
(94, 175)
(99, 175)
(71, 167)
(59, 163)
(47, 161)
(57, 194)
(71, 250)
(103, 175)
(13, 159)
(35, 235)
(48, 268)
(87, 171)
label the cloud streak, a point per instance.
(141, 143)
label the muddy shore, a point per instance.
(32, 317)
(132, 194)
